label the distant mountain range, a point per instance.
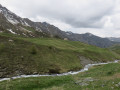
(114, 39)
(11, 23)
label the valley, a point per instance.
(40, 56)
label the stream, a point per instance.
(86, 68)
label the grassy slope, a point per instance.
(18, 56)
(105, 77)
(45, 55)
(92, 52)
(116, 48)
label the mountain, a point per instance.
(91, 39)
(11, 23)
(39, 48)
(114, 39)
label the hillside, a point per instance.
(19, 55)
(92, 39)
(22, 57)
(12, 23)
(40, 56)
(59, 45)
(116, 48)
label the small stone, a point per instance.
(78, 82)
(113, 82)
(112, 87)
(83, 84)
(116, 85)
(119, 83)
(89, 79)
(10, 40)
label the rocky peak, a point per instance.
(88, 34)
(69, 33)
(45, 23)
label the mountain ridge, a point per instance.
(115, 39)
(11, 23)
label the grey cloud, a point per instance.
(76, 13)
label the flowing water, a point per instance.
(86, 68)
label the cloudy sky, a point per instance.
(100, 17)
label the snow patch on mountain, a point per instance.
(0, 10)
(38, 29)
(26, 24)
(10, 18)
(12, 21)
(24, 34)
(23, 29)
(9, 15)
(10, 30)
(69, 33)
(89, 34)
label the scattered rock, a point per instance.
(113, 82)
(83, 84)
(117, 85)
(10, 40)
(80, 81)
(85, 81)
(89, 79)
(85, 61)
(112, 87)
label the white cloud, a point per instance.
(100, 17)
